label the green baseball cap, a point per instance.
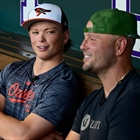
(115, 22)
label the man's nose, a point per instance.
(41, 38)
(83, 45)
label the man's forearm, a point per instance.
(33, 127)
(2, 102)
(9, 127)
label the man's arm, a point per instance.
(73, 136)
(57, 136)
(2, 102)
(54, 136)
(33, 127)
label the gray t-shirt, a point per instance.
(52, 95)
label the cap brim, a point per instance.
(134, 36)
(26, 24)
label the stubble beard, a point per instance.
(88, 67)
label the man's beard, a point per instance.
(88, 68)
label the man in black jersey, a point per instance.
(112, 112)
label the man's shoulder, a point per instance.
(63, 71)
(21, 63)
(17, 67)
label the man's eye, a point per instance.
(50, 32)
(34, 33)
(92, 38)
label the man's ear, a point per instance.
(29, 33)
(121, 44)
(66, 36)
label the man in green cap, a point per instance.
(112, 112)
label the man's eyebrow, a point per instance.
(45, 28)
(51, 28)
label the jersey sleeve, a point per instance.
(77, 122)
(79, 115)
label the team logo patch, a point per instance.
(41, 11)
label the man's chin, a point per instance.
(85, 67)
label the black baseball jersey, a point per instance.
(114, 118)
